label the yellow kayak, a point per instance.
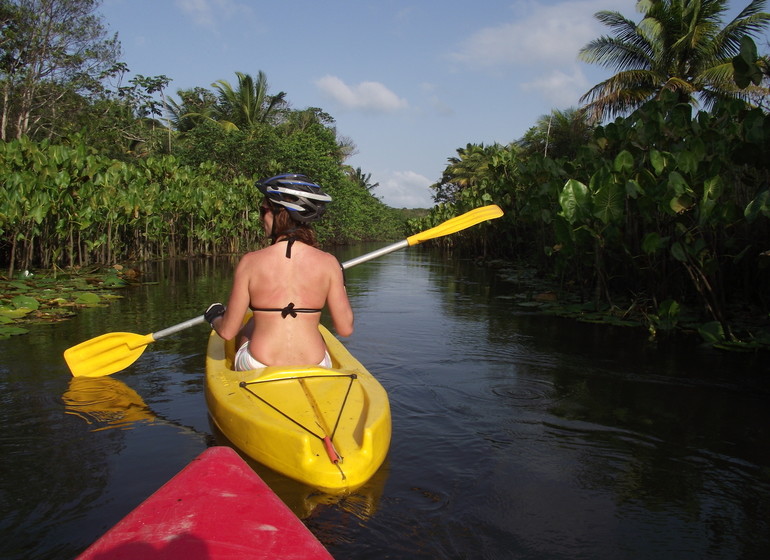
(328, 428)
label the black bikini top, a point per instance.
(286, 311)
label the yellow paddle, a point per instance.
(112, 352)
(452, 225)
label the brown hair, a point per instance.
(283, 224)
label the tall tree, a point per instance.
(362, 179)
(472, 165)
(558, 134)
(248, 104)
(679, 45)
(49, 49)
(194, 105)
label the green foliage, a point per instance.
(66, 205)
(746, 69)
(51, 51)
(665, 205)
(680, 47)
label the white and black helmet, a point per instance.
(305, 201)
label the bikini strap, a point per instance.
(290, 239)
(288, 310)
(289, 242)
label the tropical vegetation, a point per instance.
(661, 215)
(95, 172)
(679, 46)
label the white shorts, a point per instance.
(244, 361)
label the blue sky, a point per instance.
(408, 81)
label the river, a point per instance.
(515, 434)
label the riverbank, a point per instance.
(530, 289)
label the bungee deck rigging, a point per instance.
(328, 438)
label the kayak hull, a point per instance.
(329, 428)
(215, 508)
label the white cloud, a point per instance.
(371, 97)
(405, 189)
(560, 88)
(543, 34)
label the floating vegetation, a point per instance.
(55, 296)
(530, 291)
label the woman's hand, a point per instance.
(214, 311)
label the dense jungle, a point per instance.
(648, 205)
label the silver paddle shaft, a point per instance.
(374, 254)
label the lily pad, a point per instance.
(14, 313)
(114, 282)
(530, 304)
(7, 331)
(25, 302)
(87, 298)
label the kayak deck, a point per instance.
(327, 427)
(215, 508)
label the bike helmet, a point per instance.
(305, 201)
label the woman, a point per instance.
(285, 285)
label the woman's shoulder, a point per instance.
(321, 256)
(253, 257)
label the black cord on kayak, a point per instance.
(353, 377)
(244, 385)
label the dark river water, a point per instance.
(515, 435)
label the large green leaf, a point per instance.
(746, 70)
(679, 252)
(760, 206)
(25, 302)
(653, 242)
(574, 200)
(677, 183)
(624, 161)
(658, 161)
(609, 202)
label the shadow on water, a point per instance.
(515, 435)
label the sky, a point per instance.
(409, 82)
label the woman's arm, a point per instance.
(338, 302)
(231, 322)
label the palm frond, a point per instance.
(679, 45)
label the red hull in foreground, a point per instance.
(215, 508)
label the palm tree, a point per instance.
(193, 105)
(558, 134)
(680, 45)
(247, 105)
(362, 179)
(472, 165)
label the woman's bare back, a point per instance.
(267, 279)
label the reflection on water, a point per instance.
(303, 500)
(105, 402)
(514, 435)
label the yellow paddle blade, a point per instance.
(106, 354)
(457, 223)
